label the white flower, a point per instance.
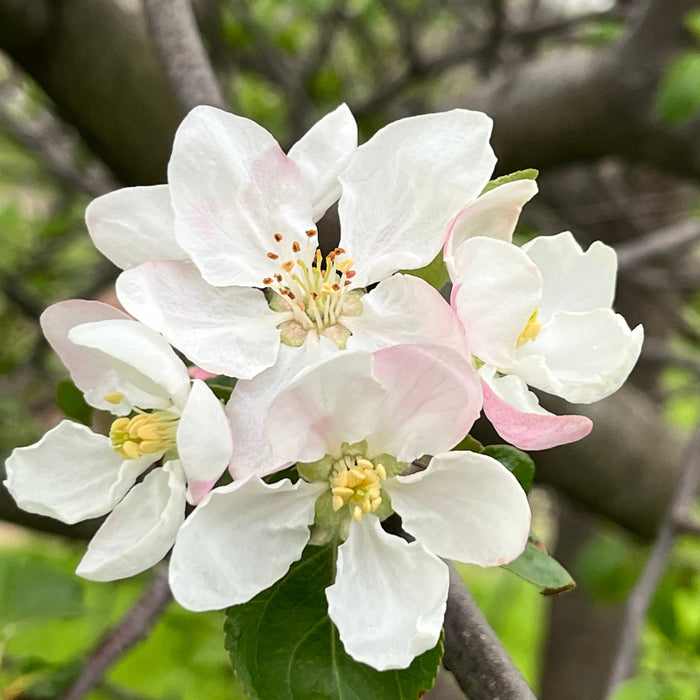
(353, 423)
(73, 473)
(238, 217)
(541, 315)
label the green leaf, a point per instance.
(72, 402)
(678, 95)
(434, 273)
(221, 386)
(515, 461)
(468, 444)
(692, 22)
(283, 645)
(528, 174)
(537, 566)
(644, 689)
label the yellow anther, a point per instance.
(343, 492)
(150, 447)
(381, 471)
(130, 450)
(366, 506)
(327, 288)
(287, 265)
(531, 330)
(119, 424)
(357, 514)
(346, 264)
(359, 474)
(376, 502)
(365, 464)
(114, 397)
(338, 503)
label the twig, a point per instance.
(474, 654)
(665, 241)
(174, 29)
(133, 627)
(661, 550)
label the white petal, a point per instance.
(497, 288)
(388, 600)
(573, 280)
(404, 309)
(141, 356)
(239, 540)
(232, 189)
(494, 215)
(337, 401)
(322, 153)
(225, 330)
(582, 357)
(464, 506)
(519, 419)
(250, 403)
(91, 371)
(204, 441)
(71, 474)
(140, 530)
(404, 185)
(134, 225)
(433, 397)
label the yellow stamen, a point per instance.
(144, 434)
(358, 484)
(531, 330)
(346, 264)
(114, 397)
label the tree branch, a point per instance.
(474, 654)
(647, 583)
(133, 627)
(174, 29)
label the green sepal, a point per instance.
(72, 402)
(434, 273)
(515, 461)
(527, 174)
(537, 566)
(284, 646)
(221, 386)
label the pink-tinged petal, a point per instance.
(494, 215)
(91, 372)
(134, 225)
(582, 357)
(388, 600)
(225, 330)
(404, 309)
(519, 419)
(142, 356)
(140, 530)
(334, 402)
(433, 397)
(499, 289)
(322, 153)
(204, 441)
(239, 540)
(250, 403)
(199, 373)
(404, 185)
(71, 474)
(573, 280)
(232, 189)
(464, 506)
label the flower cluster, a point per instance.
(348, 369)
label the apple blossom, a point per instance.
(73, 474)
(540, 315)
(237, 274)
(353, 423)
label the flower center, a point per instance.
(313, 294)
(144, 434)
(531, 330)
(357, 483)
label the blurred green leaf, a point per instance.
(72, 402)
(643, 689)
(537, 566)
(468, 444)
(678, 95)
(692, 22)
(283, 645)
(515, 461)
